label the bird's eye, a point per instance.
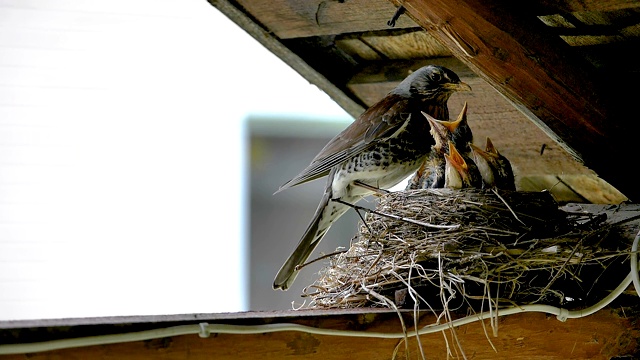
(436, 77)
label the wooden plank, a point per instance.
(559, 93)
(267, 39)
(291, 19)
(304, 18)
(414, 45)
(594, 28)
(593, 189)
(603, 335)
(567, 6)
(358, 49)
(579, 188)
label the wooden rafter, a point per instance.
(512, 50)
(555, 6)
(519, 336)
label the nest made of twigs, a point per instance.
(453, 248)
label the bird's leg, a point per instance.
(357, 209)
(371, 188)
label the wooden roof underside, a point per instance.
(566, 66)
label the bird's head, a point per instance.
(490, 153)
(495, 169)
(485, 161)
(432, 81)
(491, 149)
(439, 132)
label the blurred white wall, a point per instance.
(115, 196)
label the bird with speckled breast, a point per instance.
(383, 146)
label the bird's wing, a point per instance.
(393, 120)
(379, 123)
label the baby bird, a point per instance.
(459, 130)
(431, 173)
(495, 169)
(460, 171)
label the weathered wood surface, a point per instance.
(522, 336)
(565, 6)
(297, 19)
(587, 188)
(547, 82)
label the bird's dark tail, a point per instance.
(327, 213)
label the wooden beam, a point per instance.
(293, 19)
(566, 6)
(603, 335)
(269, 41)
(560, 93)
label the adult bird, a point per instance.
(378, 150)
(460, 171)
(431, 174)
(494, 167)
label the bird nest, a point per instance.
(456, 249)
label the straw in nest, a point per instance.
(448, 248)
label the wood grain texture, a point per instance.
(358, 49)
(538, 74)
(292, 19)
(554, 6)
(522, 336)
(578, 188)
(414, 45)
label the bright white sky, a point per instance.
(114, 197)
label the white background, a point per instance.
(115, 198)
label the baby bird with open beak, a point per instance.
(460, 171)
(431, 174)
(495, 168)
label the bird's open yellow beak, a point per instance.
(456, 159)
(453, 125)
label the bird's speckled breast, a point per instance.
(387, 163)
